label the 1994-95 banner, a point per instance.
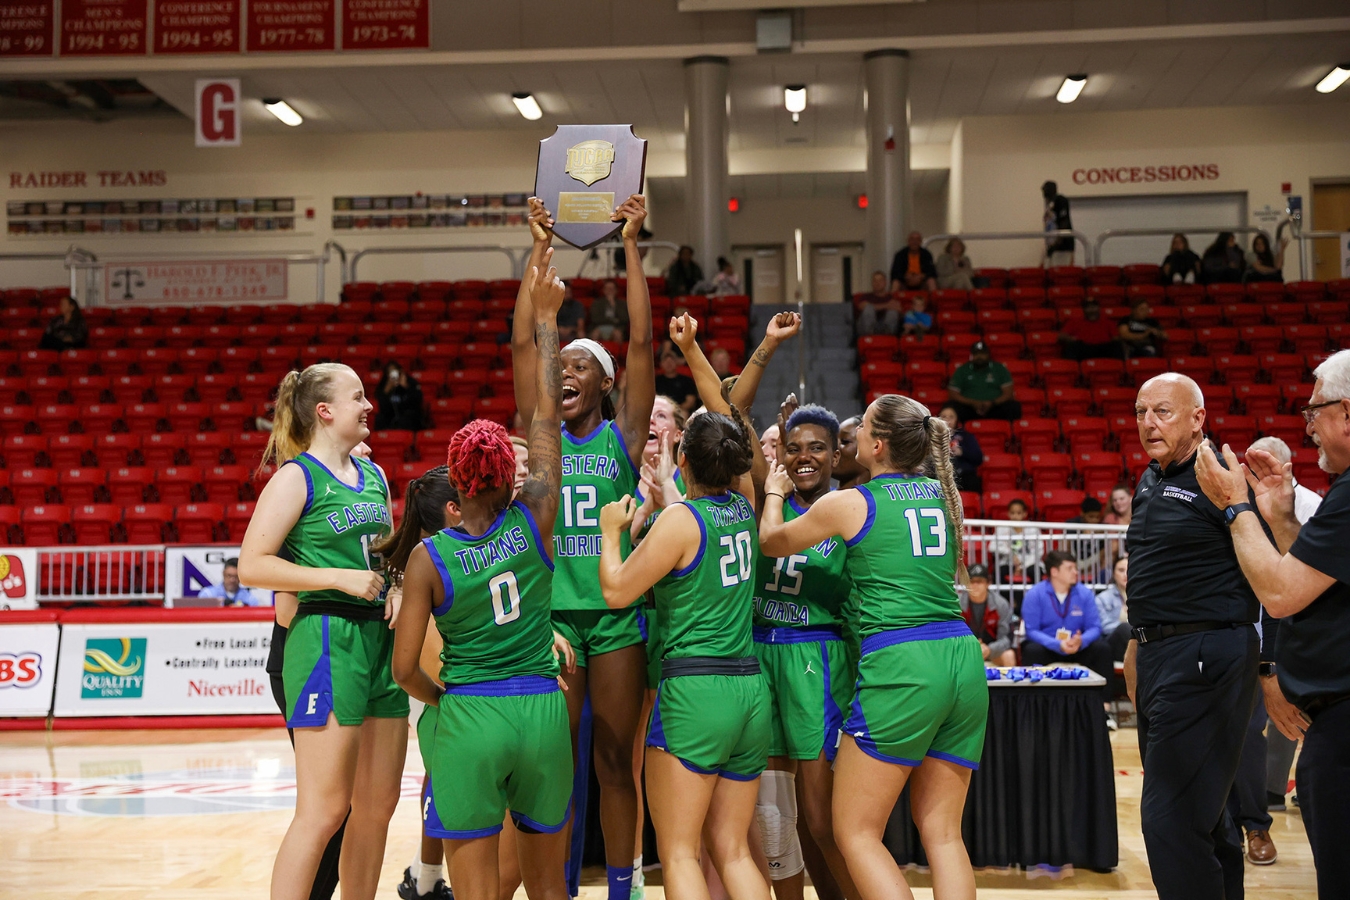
(136, 283)
(104, 28)
(197, 26)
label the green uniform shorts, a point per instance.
(921, 692)
(340, 666)
(594, 632)
(492, 747)
(810, 680)
(714, 724)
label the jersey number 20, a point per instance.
(740, 554)
(505, 598)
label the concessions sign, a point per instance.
(18, 578)
(27, 663)
(104, 28)
(286, 26)
(207, 281)
(26, 27)
(386, 25)
(198, 26)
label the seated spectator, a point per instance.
(966, 452)
(1223, 261)
(1141, 334)
(609, 314)
(1090, 548)
(954, 269)
(880, 313)
(1089, 512)
(917, 322)
(982, 388)
(1090, 337)
(913, 269)
(1016, 550)
(990, 617)
(1122, 506)
(1262, 265)
(721, 362)
(683, 275)
(1112, 611)
(726, 281)
(671, 382)
(231, 592)
(1062, 622)
(1181, 266)
(400, 401)
(67, 331)
(571, 318)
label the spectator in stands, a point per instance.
(726, 282)
(1122, 506)
(966, 452)
(67, 331)
(880, 313)
(608, 314)
(1089, 512)
(982, 388)
(230, 592)
(954, 269)
(400, 399)
(990, 617)
(672, 383)
(917, 320)
(1058, 250)
(684, 274)
(1113, 612)
(1090, 337)
(1062, 622)
(1262, 265)
(1016, 550)
(1141, 334)
(571, 318)
(1091, 548)
(1181, 266)
(913, 269)
(721, 362)
(1223, 261)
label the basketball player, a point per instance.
(499, 739)
(328, 507)
(922, 698)
(602, 450)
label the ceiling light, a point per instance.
(1071, 88)
(794, 98)
(283, 111)
(1335, 78)
(528, 106)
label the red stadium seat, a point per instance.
(1284, 368)
(31, 487)
(1098, 275)
(1263, 338)
(1258, 399)
(1143, 273)
(145, 522)
(1027, 277)
(44, 523)
(914, 347)
(1236, 430)
(989, 298)
(1061, 373)
(127, 484)
(1065, 275)
(970, 504)
(196, 523)
(1036, 435)
(163, 449)
(996, 502)
(993, 434)
(1043, 344)
(1059, 505)
(22, 450)
(1085, 433)
(1000, 471)
(1037, 318)
(94, 523)
(222, 483)
(995, 320)
(1287, 313)
(1103, 372)
(949, 298)
(1311, 291)
(113, 451)
(920, 374)
(1237, 368)
(1117, 401)
(176, 484)
(1217, 339)
(1290, 428)
(1329, 312)
(1240, 314)
(205, 448)
(878, 347)
(1307, 338)
(497, 409)
(958, 319)
(80, 486)
(237, 517)
(1201, 368)
(1068, 400)
(1048, 470)
(72, 451)
(1099, 467)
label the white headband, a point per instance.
(594, 349)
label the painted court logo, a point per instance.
(114, 668)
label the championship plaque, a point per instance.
(584, 172)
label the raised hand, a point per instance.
(541, 222)
(1272, 483)
(617, 516)
(778, 481)
(783, 326)
(1224, 487)
(684, 331)
(546, 292)
(634, 211)
(785, 411)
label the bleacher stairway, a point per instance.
(831, 366)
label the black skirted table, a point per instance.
(1045, 792)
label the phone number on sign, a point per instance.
(222, 291)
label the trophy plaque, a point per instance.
(584, 172)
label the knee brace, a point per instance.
(776, 814)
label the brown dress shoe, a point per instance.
(1260, 848)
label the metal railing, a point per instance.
(115, 572)
(1112, 233)
(1014, 552)
(591, 254)
(73, 254)
(513, 254)
(1296, 233)
(1078, 237)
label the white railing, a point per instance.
(1014, 552)
(108, 573)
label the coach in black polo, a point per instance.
(1308, 589)
(1191, 664)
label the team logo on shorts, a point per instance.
(114, 668)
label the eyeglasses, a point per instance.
(1310, 411)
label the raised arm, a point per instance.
(841, 513)
(781, 327)
(540, 491)
(522, 318)
(634, 411)
(672, 543)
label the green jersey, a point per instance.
(804, 590)
(903, 561)
(339, 523)
(495, 617)
(596, 470)
(704, 609)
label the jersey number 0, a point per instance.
(505, 598)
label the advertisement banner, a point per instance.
(27, 668)
(288, 26)
(26, 28)
(164, 668)
(104, 28)
(190, 26)
(18, 578)
(190, 570)
(207, 281)
(386, 25)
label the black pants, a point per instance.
(1195, 694)
(1324, 798)
(1247, 799)
(1096, 656)
(1009, 409)
(326, 878)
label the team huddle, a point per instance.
(751, 641)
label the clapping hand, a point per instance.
(1224, 487)
(1273, 484)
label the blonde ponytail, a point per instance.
(940, 439)
(295, 419)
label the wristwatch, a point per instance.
(1265, 669)
(1234, 511)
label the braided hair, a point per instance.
(424, 504)
(481, 458)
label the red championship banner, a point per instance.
(198, 26)
(287, 26)
(386, 25)
(26, 28)
(103, 28)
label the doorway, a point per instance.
(836, 272)
(1330, 212)
(761, 271)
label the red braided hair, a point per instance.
(481, 458)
